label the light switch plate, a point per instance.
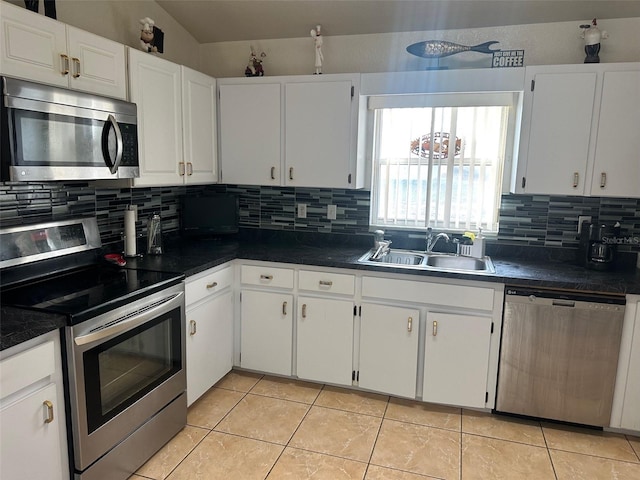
(302, 210)
(583, 218)
(332, 211)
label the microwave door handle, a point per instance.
(111, 122)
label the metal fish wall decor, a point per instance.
(440, 48)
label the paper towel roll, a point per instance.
(129, 233)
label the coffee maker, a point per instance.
(597, 246)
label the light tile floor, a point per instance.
(259, 427)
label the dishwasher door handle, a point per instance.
(563, 303)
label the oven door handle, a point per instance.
(130, 320)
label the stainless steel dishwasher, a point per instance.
(559, 355)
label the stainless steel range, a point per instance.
(124, 345)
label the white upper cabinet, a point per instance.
(176, 122)
(38, 48)
(199, 127)
(250, 134)
(617, 159)
(290, 131)
(579, 131)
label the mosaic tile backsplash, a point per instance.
(525, 220)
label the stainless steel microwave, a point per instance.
(51, 133)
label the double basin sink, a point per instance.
(442, 262)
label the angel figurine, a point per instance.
(317, 37)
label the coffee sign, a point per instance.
(508, 58)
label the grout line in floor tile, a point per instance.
(504, 440)
(632, 448)
(375, 442)
(593, 456)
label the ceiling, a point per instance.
(229, 20)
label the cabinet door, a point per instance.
(30, 447)
(199, 130)
(155, 87)
(617, 165)
(250, 137)
(389, 349)
(456, 359)
(630, 411)
(318, 134)
(97, 64)
(209, 344)
(266, 331)
(560, 128)
(325, 340)
(32, 46)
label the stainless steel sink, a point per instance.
(443, 262)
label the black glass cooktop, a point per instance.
(84, 293)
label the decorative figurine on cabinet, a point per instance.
(151, 37)
(317, 37)
(254, 67)
(592, 36)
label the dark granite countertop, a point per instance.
(18, 325)
(192, 256)
(195, 256)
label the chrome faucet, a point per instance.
(433, 239)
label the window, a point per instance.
(438, 160)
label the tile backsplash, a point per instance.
(526, 220)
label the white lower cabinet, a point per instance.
(266, 332)
(456, 359)
(209, 330)
(325, 340)
(32, 415)
(389, 349)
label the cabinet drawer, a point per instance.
(444, 294)
(26, 368)
(266, 276)
(209, 284)
(327, 282)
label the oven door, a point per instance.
(124, 367)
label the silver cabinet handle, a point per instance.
(181, 169)
(284, 308)
(325, 283)
(76, 63)
(212, 285)
(603, 180)
(49, 407)
(64, 64)
(435, 328)
(410, 324)
(192, 327)
(189, 168)
(576, 179)
(304, 310)
(273, 173)
(266, 277)
(291, 173)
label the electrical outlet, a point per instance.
(302, 210)
(332, 212)
(582, 218)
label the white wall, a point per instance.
(118, 21)
(550, 43)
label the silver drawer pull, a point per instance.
(212, 285)
(192, 327)
(576, 179)
(603, 180)
(304, 310)
(284, 308)
(291, 173)
(273, 173)
(76, 64)
(435, 328)
(266, 277)
(325, 283)
(410, 324)
(49, 406)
